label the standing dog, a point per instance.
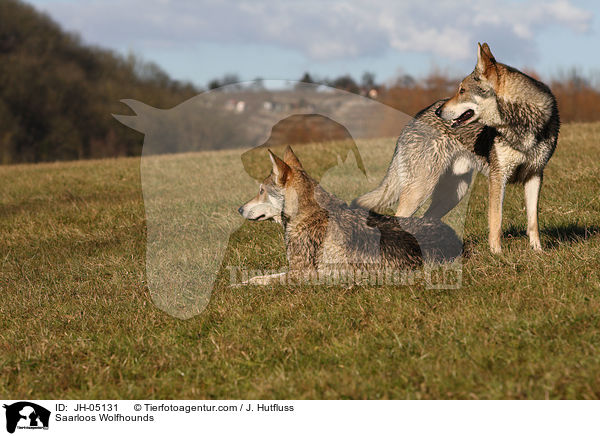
(501, 122)
(322, 234)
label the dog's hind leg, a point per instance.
(450, 189)
(413, 196)
(532, 194)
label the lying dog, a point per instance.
(323, 234)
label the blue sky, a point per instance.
(197, 40)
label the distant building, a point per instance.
(240, 106)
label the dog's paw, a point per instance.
(536, 245)
(262, 280)
(495, 248)
(251, 282)
(257, 281)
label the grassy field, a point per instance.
(77, 319)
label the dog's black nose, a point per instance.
(241, 210)
(438, 111)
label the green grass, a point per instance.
(77, 318)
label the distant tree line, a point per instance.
(578, 95)
(57, 94)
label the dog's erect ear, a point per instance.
(290, 158)
(281, 170)
(486, 49)
(485, 58)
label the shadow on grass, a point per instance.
(571, 233)
(562, 234)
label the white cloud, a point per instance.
(323, 29)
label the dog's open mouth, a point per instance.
(464, 117)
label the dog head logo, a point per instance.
(26, 415)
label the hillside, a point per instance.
(57, 93)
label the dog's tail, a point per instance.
(386, 195)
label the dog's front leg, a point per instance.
(291, 277)
(532, 195)
(266, 280)
(497, 184)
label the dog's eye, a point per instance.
(262, 191)
(461, 91)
